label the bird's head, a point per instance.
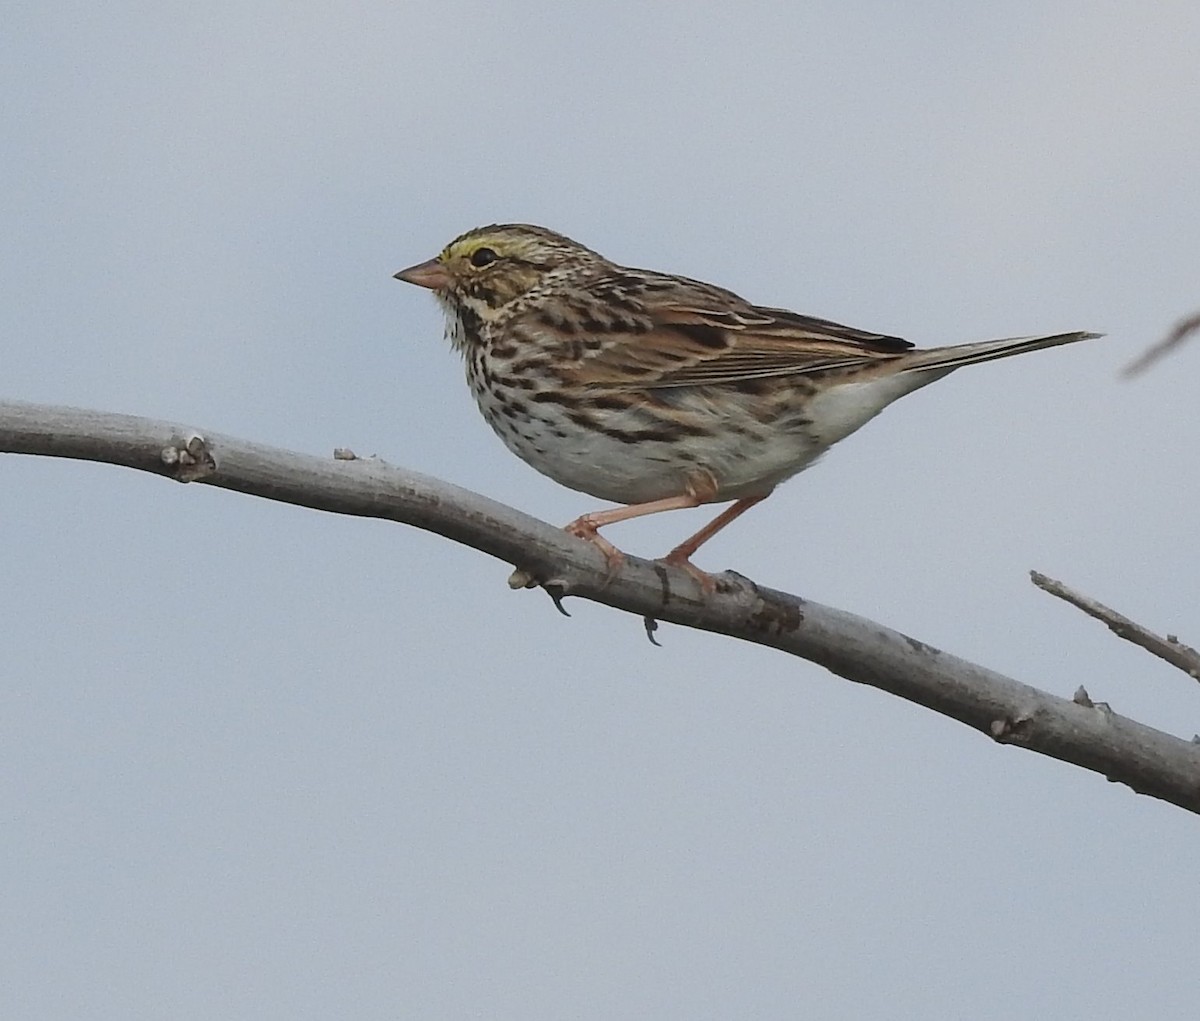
(487, 269)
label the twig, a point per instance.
(1147, 760)
(1177, 335)
(1170, 648)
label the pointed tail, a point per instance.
(947, 358)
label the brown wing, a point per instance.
(724, 341)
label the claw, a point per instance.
(556, 593)
(651, 627)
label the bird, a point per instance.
(657, 392)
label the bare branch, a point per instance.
(1088, 735)
(1178, 334)
(1170, 648)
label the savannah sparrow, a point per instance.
(659, 392)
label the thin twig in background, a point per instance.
(1183, 329)
(1170, 648)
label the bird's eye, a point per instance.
(483, 257)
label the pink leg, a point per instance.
(681, 555)
(587, 526)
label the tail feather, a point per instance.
(840, 409)
(948, 358)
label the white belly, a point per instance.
(732, 447)
(742, 458)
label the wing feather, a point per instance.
(684, 343)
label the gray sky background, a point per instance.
(263, 762)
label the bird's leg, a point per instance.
(587, 527)
(680, 556)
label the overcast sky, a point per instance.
(262, 762)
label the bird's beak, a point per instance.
(431, 274)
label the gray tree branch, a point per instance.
(1147, 760)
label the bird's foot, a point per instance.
(679, 558)
(585, 528)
